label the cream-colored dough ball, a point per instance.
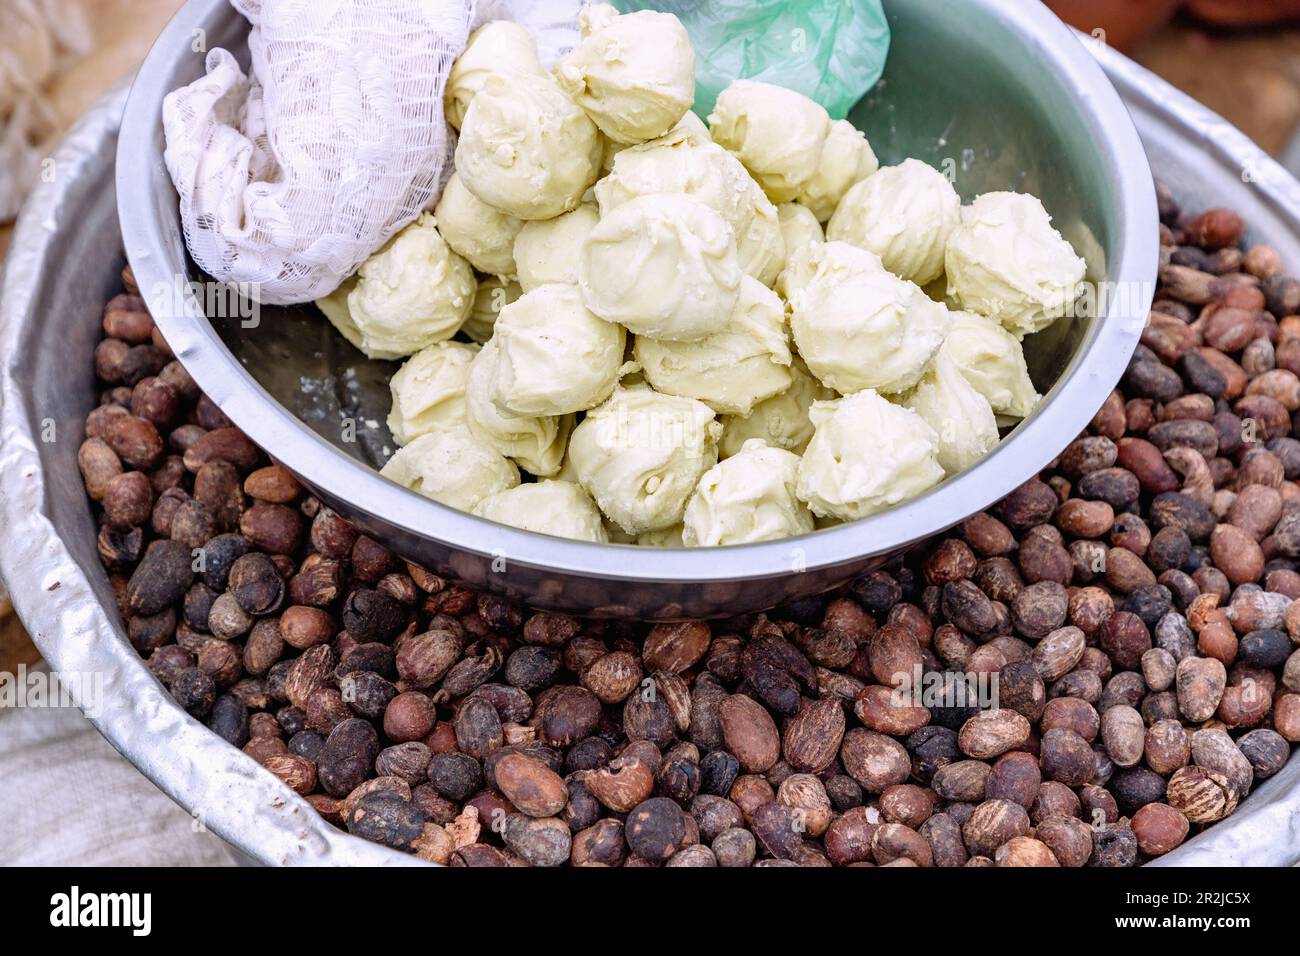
(904, 214)
(480, 233)
(559, 508)
(693, 128)
(799, 227)
(733, 369)
(866, 455)
(526, 148)
(664, 266)
(690, 128)
(846, 159)
(452, 467)
(413, 292)
(501, 46)
(760, 244)
(858, 326)
(684, 161)
(777, 133)
(1006, 261)
(800, 232)
(959, 415)
(807, 259)
(548, 250)
(634, 75)
(594, 17)
(749, 497)
(781, 421)
(535, 442)
(552, 355)
(494, 294)
(993, 361)
(641, 454)
(429, 391)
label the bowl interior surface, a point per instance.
(955, 95)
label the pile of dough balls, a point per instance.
(622, 325)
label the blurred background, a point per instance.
(1239, 57)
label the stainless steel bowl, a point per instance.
(1000, 92)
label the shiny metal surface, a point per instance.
(63, 265)
(1000, 90)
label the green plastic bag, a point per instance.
(832, 51)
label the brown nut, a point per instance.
(1201, 795)
(622, 785)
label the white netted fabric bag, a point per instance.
(289, 178)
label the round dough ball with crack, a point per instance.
(846, 159)
(1006, 261)
(690, 129)
(634, 75)
(800, 231)
(959, 415)
(536, 443)
(552, 355)
(501, 46)
(429, 391)
(993, 361)
(494, 294)
(858, 326)
(664, 266)
(413, 292)
(548, 250)
(748, 497)
(781, 421)
(904, 214)
(733, 369)
(641, 454)
(526, 148)
(684, 161)
(866, 455)
(481, 233)
(559, 508)
(777, 133)
(452, 467)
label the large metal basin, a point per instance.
(63, 265)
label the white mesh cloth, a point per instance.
(291, 177)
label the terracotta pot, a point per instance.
(1126, 22)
